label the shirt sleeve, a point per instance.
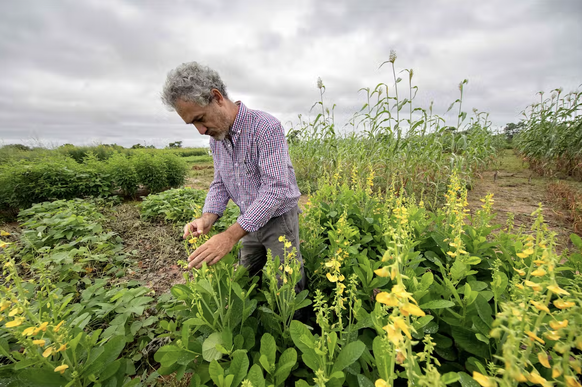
(217, 197)
(274, 183)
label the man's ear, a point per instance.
(218, 97)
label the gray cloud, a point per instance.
(91, 71)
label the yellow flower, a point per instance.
(543, 358)
(382, 272)
(61, 368)
(400, 292)
(331, 278)
(519, 286)
(536, 287)
(28, 331)
(289, 269)
(14, 312)
(41, 342)
(539, 272)
(380, 383)
(393, 335)
(452, 254)
(519, 271)
(528, 252)
(400, 323)
(4, 233)
(552, 335)
(386, 299)
(535, 378)
(192, 241)
(4, 305)
(483, 380)
(62, 347)
(575, 364)
(558, 290)
(556, 371)
(539, 262)
(287, 244)
(540, 306)
(14, 323)
(58, 327)
(558, 324)
(533, 337)
(571, 381)
(412, 309)
(47, 352)
(561, 304)
(42, 327)
(3, 245)
(521, 255)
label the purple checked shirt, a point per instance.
(254, 170)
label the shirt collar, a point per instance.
(239, 120)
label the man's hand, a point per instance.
(216, 247)
(200, 226)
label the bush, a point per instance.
(123, 174)
(151, 171)
(24, 183)
(176, 169)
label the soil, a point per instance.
(519, 190)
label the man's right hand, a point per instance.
(200, 226)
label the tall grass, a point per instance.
(410, 148)
(552, 138)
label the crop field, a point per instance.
(407, 283)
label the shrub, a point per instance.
(123, 174)
(151, 171)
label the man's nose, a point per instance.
(201, 128)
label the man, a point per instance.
(251, 166)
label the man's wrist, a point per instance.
(209, 218)
(235, 233)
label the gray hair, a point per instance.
(191, 82)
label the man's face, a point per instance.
(211, 120)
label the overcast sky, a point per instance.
(91, 71)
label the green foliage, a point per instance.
(123, 174)
(182, 205)
(25, 182)
(552, 136)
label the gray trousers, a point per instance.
(253, 254)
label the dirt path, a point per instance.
(518, 190)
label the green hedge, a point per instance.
(25, 182)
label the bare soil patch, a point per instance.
(518, 190)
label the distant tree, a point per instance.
(175, 145)
(512, 129)
(137, 146)
(19, 147)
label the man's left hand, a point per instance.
(212, 251)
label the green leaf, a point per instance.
(450, 377)
(484, 310)
(349, 354)
(437, 304)
(466, 339)
(576, 240)
(238, 367)
(111, 351)
(380, 355)
(363, 381)
(269, 350)
(286, 363)
(209, 350)
(300, 332)
(216, 372)
(499, 283)
(255, 376)
(467, 381)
